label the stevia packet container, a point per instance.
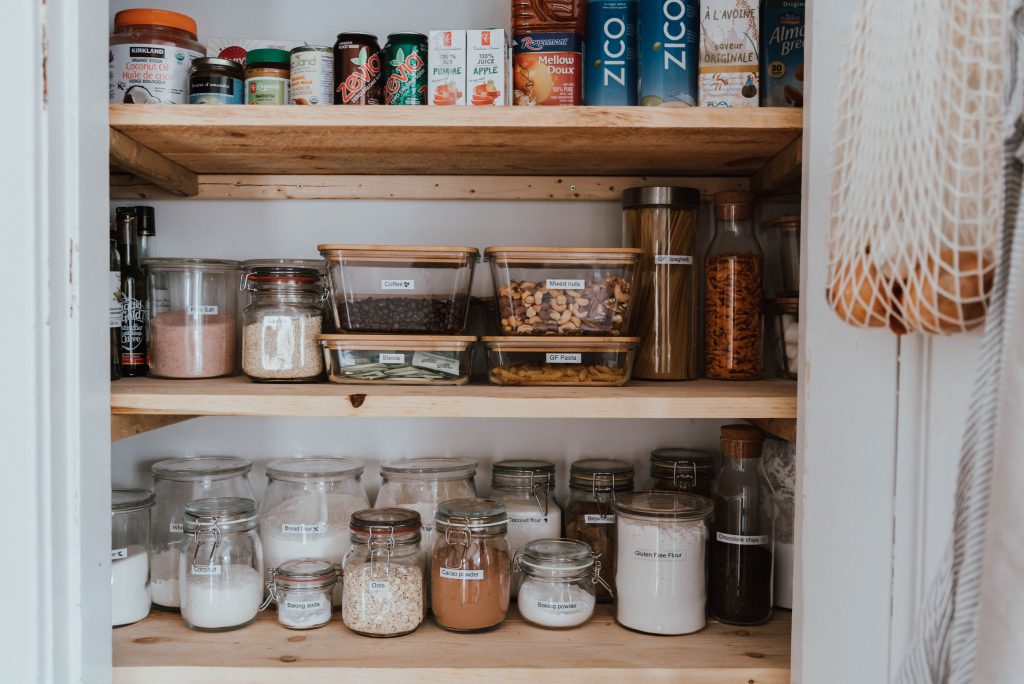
(398, 359)
(569, 361)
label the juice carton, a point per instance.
(729, 71)
(487, 67)
(667, 39)
(446, 68)
(782, 72)
(609, 53)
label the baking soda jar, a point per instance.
(129, 554)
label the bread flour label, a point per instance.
(303, 528)
(742, 539)
(452, 573)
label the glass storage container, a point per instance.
(483, 321)
(663, 221)
(558, 580)
(192, 317)
(420, 484)
(221, 560)
(682, 470)
(595, 361)
(661, 568)
(385, 576)
(527, 488)
(470, 567)
(281, 326)
(399, 289)
(178, 481)
(318, 265)
(302, 589)
(564, 290)
(129, 554)
(594, 483)
(789, 250)
(306, 509)
(398, 359)
(784, 333)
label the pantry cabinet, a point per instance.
(254, 182)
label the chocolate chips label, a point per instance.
(452, 573)
(742, 539)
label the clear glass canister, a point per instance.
(789, 250)
(593, 485)
(682, 470)
(192, 317)
(559, 577)
(385, 576)
(527, 488)
(663, 222)
(470, 567)
(420, 484)
(784, 333)
(660, 576)
(281, 326)
(129, 554)
(302, 589)
(220, 564)
(306, 510)
(176, 482)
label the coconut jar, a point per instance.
(151, 52)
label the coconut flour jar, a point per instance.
(150, 55)
(558, 581)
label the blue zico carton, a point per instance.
(609, 53)
(782, 74)
(667, 48)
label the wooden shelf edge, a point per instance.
(123, 425)
(781, 172)
(153, 166)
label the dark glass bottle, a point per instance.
(742, 543)
(133, 297)
(114, 287)
(147, 231)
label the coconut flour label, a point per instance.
(742, 539)
(206, 570)
(455, 574)
(149, 74)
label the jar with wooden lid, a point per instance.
(733, 272)
(267, 77)
(470, 565)
(682, 470)
(151, 51)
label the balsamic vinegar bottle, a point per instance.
(114, 286)
(133, 298)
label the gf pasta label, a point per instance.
(557, 357)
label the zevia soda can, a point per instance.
(668, 52)
(358, 70)
(405, 66)
(609, 53)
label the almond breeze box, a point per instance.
(487, 67)
(446, 68)
(729, 72)
(782, 74)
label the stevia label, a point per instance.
(673, 260)
(398, 284)
(206, 570)
(742, 539)
(594, 519)
(561, 284)
(437, 362)
(266, 90)
(303, 528)
(305, 606)
(557, 357)
(118, 554)
(452, 573)
(391, 358)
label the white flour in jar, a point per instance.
(230, 598)
(164, 586)
(129, 584)
(554, 604)
(526, 523)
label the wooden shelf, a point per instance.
(161, 650)
(209, 151)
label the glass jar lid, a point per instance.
(601, 474)
(318, 265)
(742, 441)
(305, 573)
(201, 468)
(559, 555)
(663, 505)
(678, 464)
(319, 469)
(128, 500)
(660, 196)
(282, 279)
(787, 224)
(385, 521)
(485, 515)
(525, 473)
(222, 513)
(429, 469)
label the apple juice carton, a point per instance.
(446, 68)
(729, 71)
(487, 67)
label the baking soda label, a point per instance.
(303, 528)
(391, 358)
(558, 357)
(149, 74)
(118, 554)
(436, 362)
(452, 573)
(729, 38)
(206, 570)
(561, 284)
(742, 539)
(305, 606)
(594, 519)
(673, 260)
(398, 284)
(645, 554)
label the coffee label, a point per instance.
(742, 539)
(206, 570)
(177, 528)
(118, 554)
(398, 284)
(437, 362)
(452, 573)
(114, 287)
(645, 554)
(303, 528)
(594, 519)
(378, 586)
(391, 358)
(557, 357)
(204, 310)
(305, 606)
(562, 284)
(673, 260)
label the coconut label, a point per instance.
(149, 74)
(547, 69)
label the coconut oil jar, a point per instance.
(151, 52)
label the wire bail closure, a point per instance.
(381, 547)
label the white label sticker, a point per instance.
(437, 362)
(660, 555)
(742, 539)
(531, 520)
(206, 570)
(391, 358)
(114, 285)
(161, 301)
(304, 606)
(177, 527)
(594, 519)
(554, 607)
(118, 554)
(558, 357)
(398, 284)
(561, 284)
(451, 573)
(378, 586)
(303, 528)
(204, 310)
(673, 260)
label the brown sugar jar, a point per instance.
(470, 565)
(733, 295)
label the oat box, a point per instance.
(446, 68)
(729, 72)
(487, 67)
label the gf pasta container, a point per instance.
(400, 289)
(594, 361)
(564, 290)
(398, 359)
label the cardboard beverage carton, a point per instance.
(487, 67)
(446, 68)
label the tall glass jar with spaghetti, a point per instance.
(662, 221)
(733, 271)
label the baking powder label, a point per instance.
(742, 539)
(118, 554)
(451, 573)
(391, 358)
(556, 357)
(303, 528)
(206, 570)
(594, 519)
(556, 607)
(673, 260)
(560, 284)
(398, 284)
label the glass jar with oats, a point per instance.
(282, 324)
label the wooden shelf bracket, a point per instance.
(128, 154)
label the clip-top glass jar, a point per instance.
(302, 589)
(129, 554)
(281, 326)
(593, 486)
(221, 562)
(178, 481)
(559, 577)
(470, 568)
(682, 470)
(385, 579)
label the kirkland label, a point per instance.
(114, 286)
(303, 528)
(742, 539)
(437, 362)
(204, 310)
(206, 570)
(177, 528)
(149, 74)
(391, 358)
(398, 284)
(378, 586)
(222, 90)
(557, 357)
(450, 573)
(118, 554)
(673, 260)
(594, 519)
(660, 555)
(559, 284)
(305, 606)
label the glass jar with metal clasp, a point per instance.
(302, 589)
(682, 470)
(559, 582)
(384, 588)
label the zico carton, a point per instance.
(667, 47)
(782, 73)
(609, 53)
(487, 67)
(446, 68)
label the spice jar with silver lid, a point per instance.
(675, 469)
(281, 326)
(221, 587)
(384, 591)
(559, 579)
(302, 590)
(470, 565)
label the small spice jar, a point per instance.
(660, 575)
(593, 485)
(559, 577)
(281, 326)
(302, 589)
(789, 250)
(215, 81)
(129, 554)
(267, 77)
(221, 562)
(470, 565)
(682, 470)
(784, 333)
(150, 54)
(385, 579)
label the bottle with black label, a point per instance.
(133, 297)
(114, 288)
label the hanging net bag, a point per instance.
(917, 177)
